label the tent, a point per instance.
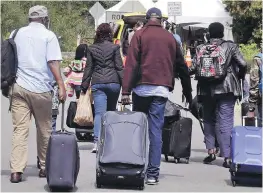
(201, 11)
(132, 6)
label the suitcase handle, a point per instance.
(62, 117)
(244, 117)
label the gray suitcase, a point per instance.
(122, 155)
(62, 160)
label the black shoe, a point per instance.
(42, 173)
(209, 159)
(16, 177)
(226, 163)
(38, 163)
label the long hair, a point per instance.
(103, 32)
(81, 51)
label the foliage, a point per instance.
(249, 51)
(247, 20)
(67, 18)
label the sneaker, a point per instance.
(95, 148)
(226, 163)
(152, 181)
(209, 159)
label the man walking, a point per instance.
(153, 59)
(218, 95)
(38, 61)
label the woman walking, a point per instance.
(105, 72)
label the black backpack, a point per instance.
(9, 64)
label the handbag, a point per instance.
(84, 115)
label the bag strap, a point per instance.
(14, 34)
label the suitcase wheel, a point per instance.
(234, 183)
(98, 181)
(176, 160)
(141, 187)
(166, 158)
(187, 160)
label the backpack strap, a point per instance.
(14, 34)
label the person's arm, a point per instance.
(254, 90)
(54, 66)
(54, 57)
(131, 66)
(118, 63)
(181, 70)
(241, 63)
(87, 73)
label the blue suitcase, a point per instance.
(246, 154)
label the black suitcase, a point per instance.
(122, 156)
(177, 139)
(71, 115)
(62, 160)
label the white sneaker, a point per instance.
(95, 148)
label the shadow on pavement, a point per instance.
(119, 187)
(199, 150)
(218, 162)
(86, 146)
(163, 176)
(46, 188)
(256, 184)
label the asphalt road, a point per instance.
(174, 177)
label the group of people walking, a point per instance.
(153, 61)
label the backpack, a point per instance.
(210, 62)
(9, 64)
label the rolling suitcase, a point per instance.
(246, 153)
(177, 139)
(122, 155)
(62, 160)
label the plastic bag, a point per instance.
(84, 115)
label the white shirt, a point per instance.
(146, 90)
(36, 45)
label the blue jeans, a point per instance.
(218, 122)
(154, 108)
(105, 98)
(54, 122)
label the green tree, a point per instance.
(67, 18)
(247, 20)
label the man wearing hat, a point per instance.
(154, 58)
(39, 57)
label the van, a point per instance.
(122, 27)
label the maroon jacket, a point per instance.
(152, 58)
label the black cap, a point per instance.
(154, 12)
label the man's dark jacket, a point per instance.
(237, 68)
(154, 58)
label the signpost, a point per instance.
(96, 11)
(112, 16)
(174, 9)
